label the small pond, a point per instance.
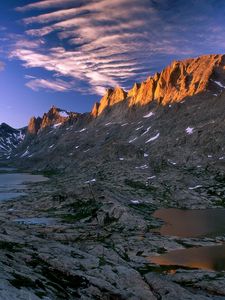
(206, 258)
(192, 224)
(36, 221)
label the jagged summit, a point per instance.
(177, 81)
(111, 97)
(54, 116)
(181, 79)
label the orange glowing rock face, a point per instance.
(95, 108)
(111, 97)
(52, 117)
(179, 80)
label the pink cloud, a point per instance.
(57, 85)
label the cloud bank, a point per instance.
(96, 44)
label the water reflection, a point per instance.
(191, 223)
(206, 258)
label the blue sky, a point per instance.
(68, 52)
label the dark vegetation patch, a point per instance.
(22, 281)
(81, 210)
(48, 172)
(10, 246)
(63, 284)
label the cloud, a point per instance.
(44, 4)
(2, 66)
(96, 44)
(27, 76)
(57, 85)
(102, 37)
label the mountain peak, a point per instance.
(181, 79)
(54, 116)
(111, 97)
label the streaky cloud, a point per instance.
(44, 4)
(40, 83)
(106, 43)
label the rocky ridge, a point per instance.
(54, 117)
(179, 80)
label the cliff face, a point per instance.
(177, 81)
(53, 117)
(95, 108)
(34, 125)
(205, 74)
(190, 77)
(143, 93)
(111, 97)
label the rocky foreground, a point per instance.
(109, 170)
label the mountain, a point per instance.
(205, 74)
(10, 138)
(172, 105)
(55, 117)
(159, 145)
(111, 97)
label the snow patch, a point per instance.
(195, 187)
(26, 153)
(149, 115)
(189, 130)
(134, 139)
(64, 114)
(91, 181)
(151, 177)
(57, 125)
(143, 167)
(146, 131)
(82, 130)
(135, 202)
(219, 84)
(172, 162)
(153, 138)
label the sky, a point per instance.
(68, 52)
